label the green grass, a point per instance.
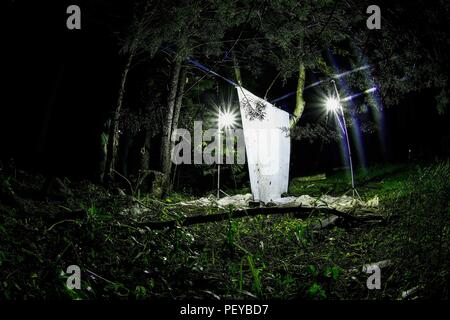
(269, 257)
(379, 180)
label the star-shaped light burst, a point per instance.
(332, 104)
(226, 119)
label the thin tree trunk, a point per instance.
(145, 152)
(271, 85)
(237, 70)
(113, 139)
(179, 100)
(300, 102)
(166, 163)
(176, 114)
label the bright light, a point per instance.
(332, 104)
(227, 119)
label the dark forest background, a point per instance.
(61, 85)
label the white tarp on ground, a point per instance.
(241, 201)
(267, 145)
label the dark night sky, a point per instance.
(72, 78)
(69, 77)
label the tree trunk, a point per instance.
(300, 102)
(237, 70)
(179, 100)
(166, 163)
(113, 139)
(145, 151)
(176, 114)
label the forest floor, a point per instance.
(122, 253)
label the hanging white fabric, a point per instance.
(267, 144)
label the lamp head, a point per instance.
(332, 104)
(226, 119)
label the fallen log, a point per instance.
(298, 211)
(328, 222)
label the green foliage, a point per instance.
(94, 213)
(442, 101)
(332, 272)
(316, 291)
(257, 286)
(232, 232)
(423, 238)
(274, 257)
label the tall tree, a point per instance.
(195, 28)
(134, 41)
(166, 163)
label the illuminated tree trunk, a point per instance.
(300, 102)
(113, 139)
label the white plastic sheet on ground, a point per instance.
(267, 145)
(240, 201)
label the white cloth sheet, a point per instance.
(267, 145)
